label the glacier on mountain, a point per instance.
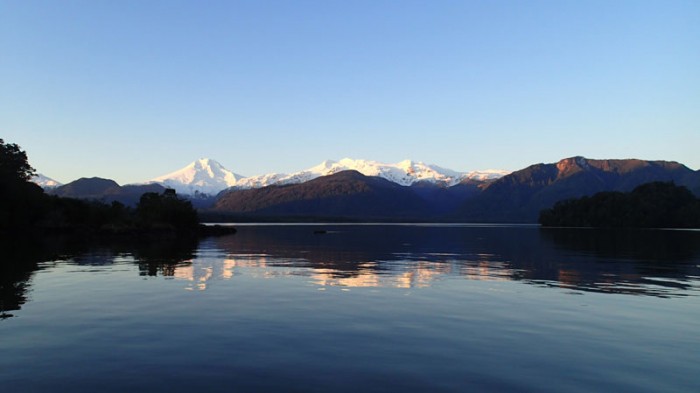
(206, 176)
(404, 173)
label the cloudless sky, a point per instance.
(130, 90)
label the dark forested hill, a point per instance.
(520, 196)
(85, 188)
(651, 205)
(517, 197)
(347, 194)
(105, 190)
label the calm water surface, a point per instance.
(369, 308)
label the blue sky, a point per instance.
(130, 90)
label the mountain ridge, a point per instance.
(349, 194)
(204, 176)
(517, 197)
(207, 176)
(521, 195)
(104, 190)
(346, 194)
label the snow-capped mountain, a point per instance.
(404, 173)
(45, 182)
(209, 177)
(202, 176)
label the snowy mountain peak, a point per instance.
(202, 176)
(45, 182)
(207, 176)
(407, 164)
(325, 165)
(405, 173)
(488, 174)
(205, 163)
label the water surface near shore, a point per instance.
(325, 307)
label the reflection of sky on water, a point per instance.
(427, 309)
(418, 257)
(636, 262)
(393, 274)
(658, 263)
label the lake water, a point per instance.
(358, 308)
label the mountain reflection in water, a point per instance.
(644, 262)
(661, 263)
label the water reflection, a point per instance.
(658, 263)
(19, 260)
(639, 262)
(23, 257)
(202, 272)
(16, 271)
(165, 257)
(651, 262)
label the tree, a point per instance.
(651, 205)
(22, 203)
(166, 211)
(14, 165)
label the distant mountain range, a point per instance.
(104, 190)
(342, 194)
(516, 197)
(404, 173)
(358, 189)
(521, 195)
(207, 176)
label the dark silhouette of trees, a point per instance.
(651, 205)
(166, 212)
(14, 165)
(67, 215)
(21, 202)
(24, 207)
(155, 214)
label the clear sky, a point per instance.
(130, 90)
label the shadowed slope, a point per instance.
(520, 196)
(346, 194)
(105, 190)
